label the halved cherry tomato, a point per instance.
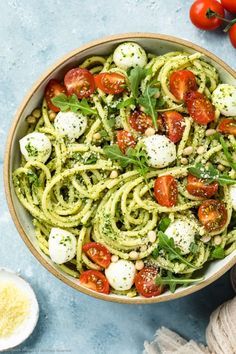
(174, 123)
(125, 140)
(140, 121)
(200, 108)
(181, 82)
(227, 126)
(232, 35)
(229, 5)
(198, 14)
(110, 83)
(95, 280)
(79, 81)
(212, 214)
(166, 191)
(98, 253)
(199, 188)
(145, 282)
(53, 89)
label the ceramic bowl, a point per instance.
(156, 43)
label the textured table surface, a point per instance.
(33, 34)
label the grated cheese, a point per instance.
(14, 308)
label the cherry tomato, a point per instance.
(229, 5)
(80, 82)
(145, 282)
(232, 35)
(199, 188)
(200, 108)
(181, 82)
(174, 123)
(110, 83)
(227, 126)
(53, 89)
(166, 191)
(98, 253)
(140, 121)
(212, 215)
(125, 140)
(198, 14)
(95, 280)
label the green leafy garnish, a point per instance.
(211, 174)
(149, 102)
(155, 253)
(227, 153)
(129, 102)
(66, 103)
(173, 281)
(218, 253)
(194, 248)
(164, 223)
(33, 178)
(135, 76)
(173, 252)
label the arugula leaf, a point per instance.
(164, 223)
(174, 252)
(218, 253)
(173, 281)
(149, 102)
(135, 76)
(194, 248)
(129, 102)
(155, 253)
(66, 103)
(227, 153)
(114, 153)
(211, 174)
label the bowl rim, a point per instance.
(6, 172)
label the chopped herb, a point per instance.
(211, 174)
(33, 178)
(66, 103)
(173, 281)
(32, 151)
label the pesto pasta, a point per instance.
(128, 170)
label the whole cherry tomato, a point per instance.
(232, 34)
(198, 14)
(229, 5)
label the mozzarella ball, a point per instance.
(128, 55)
(224, 98)
(183, 233)
(35, 147)
(120, 275)
(70, 124)
(160, 150)
(62, 245)
(232, 193)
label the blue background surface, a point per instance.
(33, 34)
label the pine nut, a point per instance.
(36, 113)
(184, 161)
(31, 119)
(149, 131)
(210, 132)
(114, 258)
(188, 150)
(139, 264)
(221, 167)
(133, 255)
(152, 236)
(206, 238)
(96, 136)
(52, 115)
(114, 174)
(217, 240)
(143, 248)
(200, 150)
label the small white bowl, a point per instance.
(28, 325)
(155, 43)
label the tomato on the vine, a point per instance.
(232, 35)
(198, 14)
(229, 5)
